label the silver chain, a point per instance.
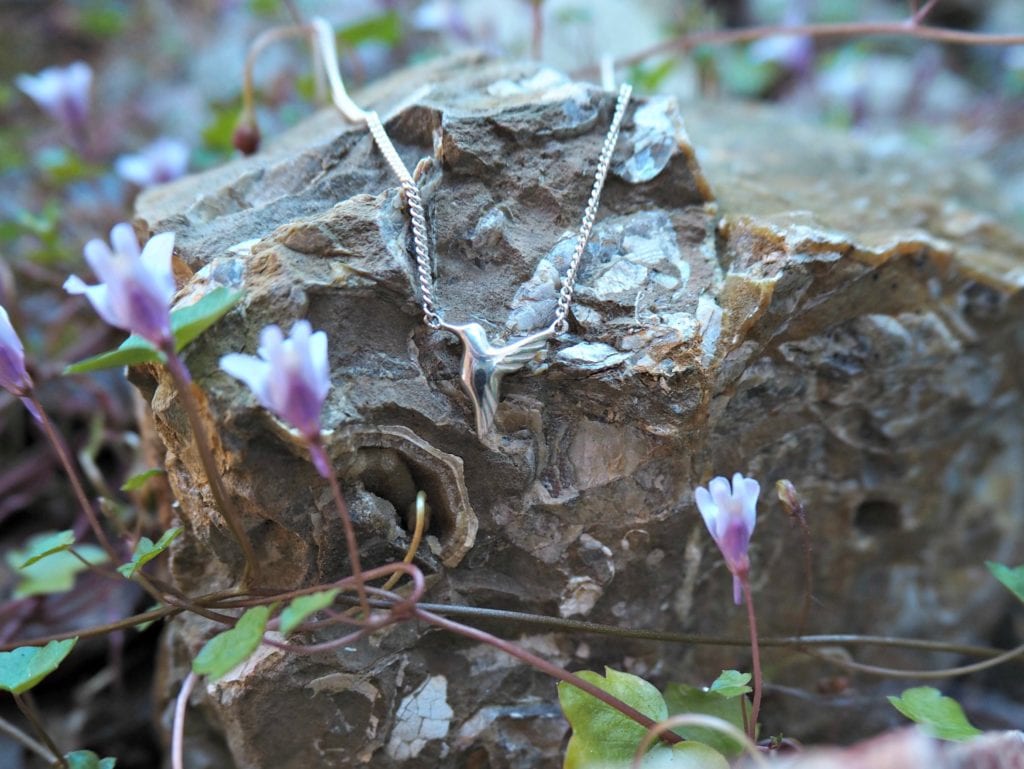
(561, 324)
(411, 192)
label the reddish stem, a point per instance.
(183, 384)
(852, 29)
(544, 666)
(321, 461)
(755, 653)
(64, 455)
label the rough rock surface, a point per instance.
(842, 314)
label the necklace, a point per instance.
(484, 363)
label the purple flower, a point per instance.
(730, 515)
(13, 376)
(137, 287)
(63, 92)
(290, 377)
(162, 161)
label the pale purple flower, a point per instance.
(13, 376)
(730, 514)
(290, 377)
(63, 92)
(161, 161)
(136, 285)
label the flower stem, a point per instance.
(37, 725)
(16, 734)
(755, 653)
(321, 461)
(64, 455)
(544, 666)
(178, 731)
(183, 384)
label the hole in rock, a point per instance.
(877, 515)
(389, 474)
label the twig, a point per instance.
(919, 15)
(417, 537)
(755, 653)
(537, 29)
(544, 666)
(581, 626)
(57, 441)
(16, 734)
(685, 43)
(962, 670)
(33, 718)
(702, 720)
(178, 731)
(351, 542)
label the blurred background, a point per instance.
(158, 95)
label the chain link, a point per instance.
(421, 248)
(561, 324)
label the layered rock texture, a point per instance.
(758, 295)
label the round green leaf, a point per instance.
(601, 734)
(26, 666)
(86, 759)
(1012, 579)
(54, 573)
(941, 716)
(682, 698)
(685, 755)
(231, 648)
(302, 607)
(189, 322)
(146, 551)
(43, 545)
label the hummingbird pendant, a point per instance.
(483, 366)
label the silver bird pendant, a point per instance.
(483, 366)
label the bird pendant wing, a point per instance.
(514, 356)
(503, 360)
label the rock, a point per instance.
(843, 314)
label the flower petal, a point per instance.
(271, 338)
(254, 371)
(99, 298)
(751, 489)
(102, 260)
(319, 363)
(156, 260)
(124, 241)
(708, 509)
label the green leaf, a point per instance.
(53, 574)
(649, 78)
(1013, 579)
(682, 698)
(685, 755)
(132, 351)
(26, 666)
(601, 734)
(138, 480)
(941, 716)
(48, 544)
(303, 606)
(146, 551)
(231, 648)
(189, 322)
(731, 683)
(383, 28)
(86, 759)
